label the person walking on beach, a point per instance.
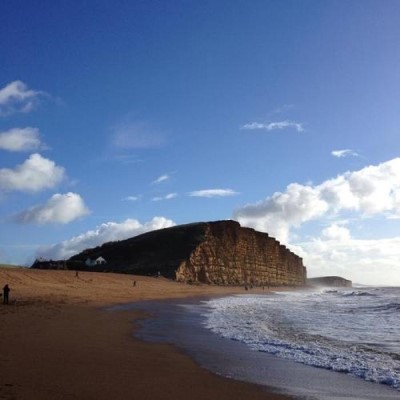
(6, 290)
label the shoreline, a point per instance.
(58, 343)
(180, 322)
(62, 337)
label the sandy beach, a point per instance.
(58, 342)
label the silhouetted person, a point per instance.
(6, 290)
(134, 283)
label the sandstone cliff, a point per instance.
(220, 252)
(230, 254)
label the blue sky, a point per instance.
(125, 116)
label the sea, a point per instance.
(327, 344)
(355, 332)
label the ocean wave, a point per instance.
(370, 367)
(358, 293)
(385, 307)
(350, 332)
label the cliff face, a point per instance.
(230, 254)
(220, 252)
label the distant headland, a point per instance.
(330, 281)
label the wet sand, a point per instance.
(58, 342)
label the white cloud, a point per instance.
(60, 208)
(213, 193)
(168, 196)
(369, 191)
(109, 231)
(20, 139)
(279, 212)
(336, 232)
(135, 135)
(271, 126)
(161, 178)
(16, 97)
(372, 261)
(34, 174)
(344, 153)
(132, 198)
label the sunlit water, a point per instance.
(354, 331)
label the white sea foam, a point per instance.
(351, 331)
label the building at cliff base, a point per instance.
(220, 252)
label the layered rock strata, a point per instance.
(230, 254)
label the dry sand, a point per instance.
(57, 343)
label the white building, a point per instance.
(98, 261)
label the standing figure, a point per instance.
(6, 290)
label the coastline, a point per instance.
(57, 342)
(181, 323)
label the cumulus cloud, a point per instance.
(60, 208)
(161, 178)
(372, 190)
(344, 153)
(34, 174)
(212, 193)
(17, 97)
(168, 196)
(20, 139)
(336, 252)
(135, 135)
(336, 232)
(271, 126)
(107, 232)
